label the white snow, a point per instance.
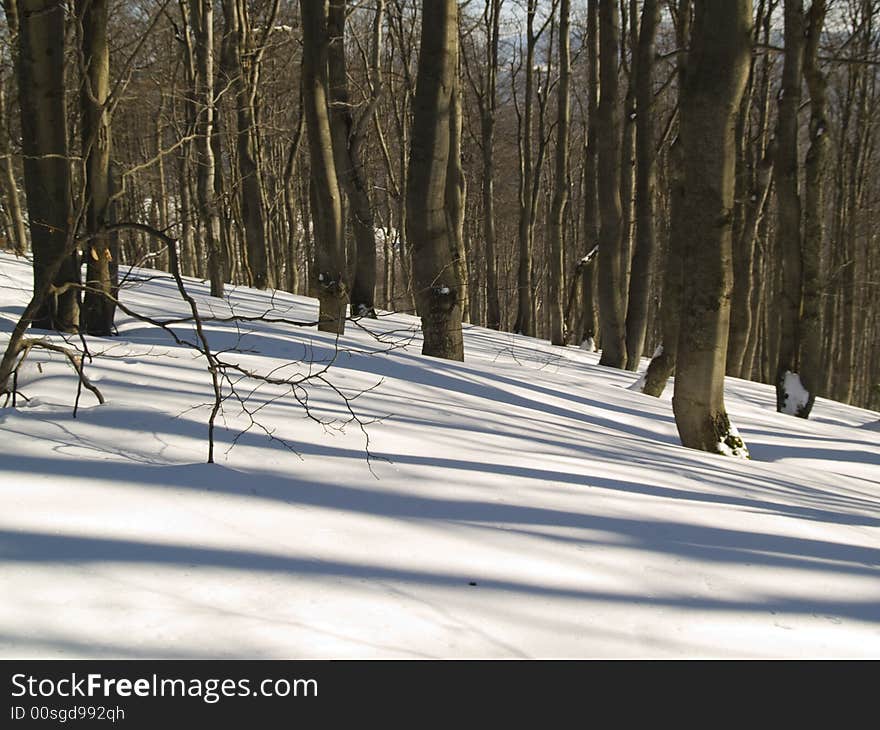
(733, 445)
(528, 470)
(797, 396)
(589, 345)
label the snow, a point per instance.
(523, 503)
(589, 345)
(733, 444)
(796, 395)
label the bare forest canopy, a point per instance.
(692, 180)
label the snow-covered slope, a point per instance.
(524, 503)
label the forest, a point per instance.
(437, 329)
(691, 181)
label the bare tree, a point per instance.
(561, 193)
(716, 77)
(789, 206)
(438, 289)
(611, 274)
(46, 167)
(810, 354)
(102, 250)
(640, 283)
(202, 19)
(348, 141)
(328, 279)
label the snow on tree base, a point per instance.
(589, 345)
(795, 397)
(731, 443)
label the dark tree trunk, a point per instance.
(716, 76)
(611, 275)
(788, 228)
(560, 195)
(46, 171)
(328, 276)
(810, 352)
(102, 250)
(640, 283)
(438, 289)
(348, 141)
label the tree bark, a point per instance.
(488, 107)
(591, 179)
(789, 205)
(46, 163)
(611, 291)
(525, 313)
(438, 289)
(348, 139)
(239, 50)
(11, 199)
(810, 344)
(715, 80)
(640, 283)
(102, 249)
(561, 192)
(328, 277)
(202, 19)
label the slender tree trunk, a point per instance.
(662, 364)
(11, 199)
(716, 77)
(810, 352)
(640, 283)
(348, 139)
(202, 18)
(525, 313)
(292, 279)
(561, 192)
(591, 178)
(788, 229)
(46, 164)
(438, 289)
(487, 129)
(328, 277)
(611, 282)
(102, 250)
(238, 32)
(456, 192)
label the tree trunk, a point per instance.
(487, 130)
(591, 179)
(102, 250)
(810, 352)
(560, 195)
(788, 229)
(46, 164)
(202, 18)
(715, 80)
(456, 193)
(348, 140)
(525, 313)
(611, 291)
(438, 289)
(11, 199)
(640, 284)
(328, 275)
(238, 32)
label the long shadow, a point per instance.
(567, 444)
(42, 548)
(677, 538)
(157, 423)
